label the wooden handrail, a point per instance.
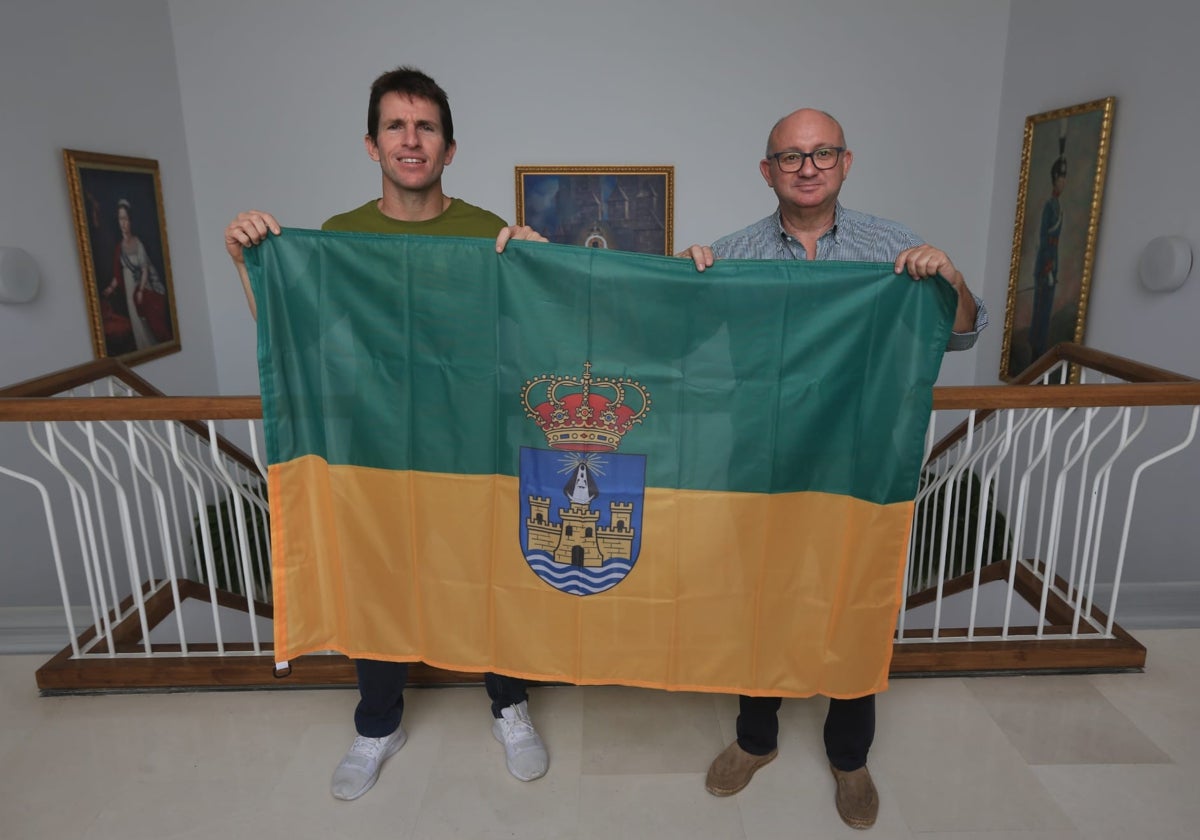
(1021, 394)
(63, 380)
(1050, 396)
(131, 408)
(33, 400)
(963, 397)
(1099, 361)
(1147, 385)
(1111, 365)
(78, 376)
(190, 411)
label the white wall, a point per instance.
(275, 91)
(1074, 51)
(99, 77)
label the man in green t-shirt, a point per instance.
(410, 134)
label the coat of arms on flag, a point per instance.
(581, 501)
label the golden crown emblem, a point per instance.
(586, 414)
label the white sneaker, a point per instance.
(359, 768)
(524, 752)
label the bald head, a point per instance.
(809, 121)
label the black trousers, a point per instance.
(849, 729)
(381, 695)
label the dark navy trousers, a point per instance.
(381, 695)
(849, 729)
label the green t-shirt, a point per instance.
(459, 219)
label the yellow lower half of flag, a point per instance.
(788, 594)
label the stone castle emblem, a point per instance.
(581, 500)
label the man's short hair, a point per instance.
(408, 81)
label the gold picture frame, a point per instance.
(624, 208)
(1063, 166)
(121, 233)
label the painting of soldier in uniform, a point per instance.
(1063, 166)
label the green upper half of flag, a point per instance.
(432, 353)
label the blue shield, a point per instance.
(581, 517)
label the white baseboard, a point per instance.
(39, 629)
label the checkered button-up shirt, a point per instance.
(854, 237)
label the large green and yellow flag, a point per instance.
(589, 466)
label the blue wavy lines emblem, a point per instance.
(581, 517)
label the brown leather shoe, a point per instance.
(733, 768)
(857, 799)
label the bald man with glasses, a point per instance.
(806, 163)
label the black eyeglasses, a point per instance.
(793, 161)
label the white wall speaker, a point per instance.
(1165, 263)
(19, 278)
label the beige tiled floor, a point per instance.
(1018, 758)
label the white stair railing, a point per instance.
(1025, 483)
(152, 503)
(1021, 523)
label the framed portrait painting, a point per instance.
(624, 208)
(122, 238)
(1063, 166)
